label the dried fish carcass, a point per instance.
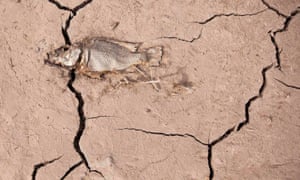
(95, 56)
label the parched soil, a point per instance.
(226, 107)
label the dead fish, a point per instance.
(95, 56)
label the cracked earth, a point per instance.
(227, 108)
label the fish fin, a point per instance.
(132, 46)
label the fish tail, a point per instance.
(153, 54)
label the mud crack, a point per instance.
(165, 134)
(273, 33)
(181, 39)
(72, 168)
(187, 135)
(288, 85)
(273, 9)
(71, 16)
(227, 15)
(207, 21)
(59, 6)
(260, 94)
(40, 165)
(82, 119)
(240, 124)
(82, 124)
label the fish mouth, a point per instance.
(47, 59)
(50, 61)
(50, 56)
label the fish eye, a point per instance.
(57, 51)
(67, 57)
(62, 49)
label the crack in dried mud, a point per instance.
(260, 94)
(59, 6)
(288, 85)
(64, 30)
(82, 119)
(100, 116)
(165, 134)
(40, 165)
(209, 159)
(228, 15)
(72, 168)
(71, 16)
(240, 124)
(181, 39)
(273, 9)
(209, 145)
(273, 33)
(209, 20)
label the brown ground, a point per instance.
(209, 73)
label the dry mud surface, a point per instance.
(228, 105)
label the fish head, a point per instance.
(66, 56)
